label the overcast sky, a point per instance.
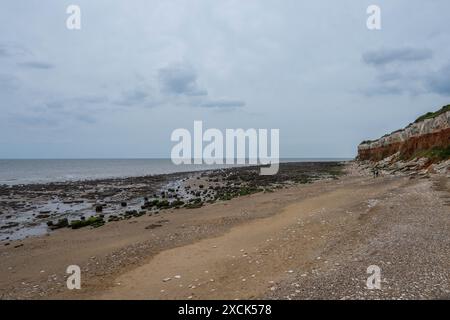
(137, 70)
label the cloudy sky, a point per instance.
(139, 69)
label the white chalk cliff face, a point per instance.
(419, 136)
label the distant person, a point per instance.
(375, 172)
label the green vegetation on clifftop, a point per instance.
(430, 115)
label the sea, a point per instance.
(27, 171)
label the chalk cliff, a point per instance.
(428, 137)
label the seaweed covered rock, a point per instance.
(92, 221)
(61, 223)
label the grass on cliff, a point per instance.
(430, 115)
(435, 154)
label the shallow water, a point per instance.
(56, 170)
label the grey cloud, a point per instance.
(384, 90)
(53, 113)
(54, 105)
(223, 103)
(51, 120)
(34, 119)
(79, 101)
(86, 118)
(397, 83)
(13, 50)
(180, 80)
(36, 65)
(439, 82)
(90, 99)
(8, 82)
(389, 76)
(386, 56)
(394, 75)
(133, 97)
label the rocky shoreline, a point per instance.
(37, 209)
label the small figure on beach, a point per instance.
(375, 172)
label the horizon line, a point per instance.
(159, 158)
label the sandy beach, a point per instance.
(298, 241)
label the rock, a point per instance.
(62, 223)
(10, 225)
(92, 221)
(131, 212)
(153, 226)
(113, 218)
(42, 216)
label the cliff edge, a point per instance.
(426, 141)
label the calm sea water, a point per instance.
(42, 171)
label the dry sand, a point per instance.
(306, 241)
